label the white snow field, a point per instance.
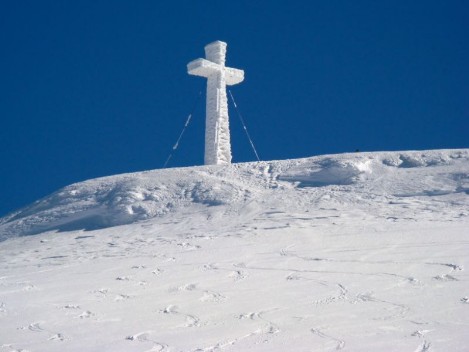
(352, 252)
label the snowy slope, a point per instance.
(353, 252)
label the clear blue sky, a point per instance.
(96, 88)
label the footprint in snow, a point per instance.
(29, 287)
(187, 287)
(188, 246)
(169, 310)
(71, 306)
(121, 298)
(420, 333)
(101, 293)
(145, 337)
(210, 266)
(423, 347)
(445, 277)
(142, 336)
(363, 297)
(250, 316)
(454, 267)
(157, 271)
(37, 327)
(269, 328)
(293, 277)
(86, 314)
(138, 267)
(192, 321)
(210, 296)
(123, 278)
(57, 337)
(238, 275)
(12, 349)
(239, 265)
(413, 281)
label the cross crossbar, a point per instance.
(217, 132)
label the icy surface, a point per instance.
(217, 129)
(353, 252)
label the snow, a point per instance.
(217, 130)
(352, 252)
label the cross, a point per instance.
(217, 131)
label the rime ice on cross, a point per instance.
(217, 131)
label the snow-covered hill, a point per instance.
(353, 252)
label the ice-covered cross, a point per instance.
(217, 131)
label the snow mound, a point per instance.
(359, 252)
(118, 200)
(129, 198)
(421, 159)
(329, 171)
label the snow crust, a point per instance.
(217, 129)
(356, 252)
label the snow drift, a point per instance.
(353, 252)
(124, 199)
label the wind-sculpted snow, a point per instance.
(118, 200)
(124, 199)
(352, 252)
(329, 171)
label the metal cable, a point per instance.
(244, 125)
(188, 120)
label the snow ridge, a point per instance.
(351, 252)
(127, 198)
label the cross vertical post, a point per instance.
(217, 131)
